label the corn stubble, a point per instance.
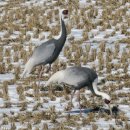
(32, 100)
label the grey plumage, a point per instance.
(75, 77)
(79, 77)
(47, 52)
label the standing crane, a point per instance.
(48, 51)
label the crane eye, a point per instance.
(107, 101)
(65, 12)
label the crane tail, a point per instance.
(50, 81)
(28, 68)
(55, 78)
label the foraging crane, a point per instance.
(48, 51)
(77, 78)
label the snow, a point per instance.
(7, 76)
(13, 94)
(96, 36)
(77, 33)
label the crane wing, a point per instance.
(43, 53)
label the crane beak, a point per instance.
(65, 16)
(110, 109)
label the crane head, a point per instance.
(107, 98)
(107, 101)
(64, 14)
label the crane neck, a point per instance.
(63, 33)
(63, 30)
(98, 93)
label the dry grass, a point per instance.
(22, 24)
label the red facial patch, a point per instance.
(65, 12)
(107, 101)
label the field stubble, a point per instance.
(102, 43)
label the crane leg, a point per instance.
(72, 95)
(40, 74)
(79, 101)
(93, 100)
(48, 69)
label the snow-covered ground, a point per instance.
(98, 37)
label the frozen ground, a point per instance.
(98, 37)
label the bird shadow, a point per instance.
(85, 111)
(115, 110)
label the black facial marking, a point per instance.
(65, 12)
(107, 101)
